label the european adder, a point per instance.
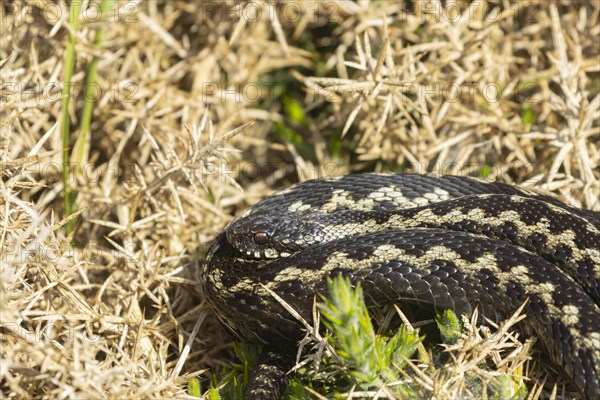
(440, 242)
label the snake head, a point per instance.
(270, 235)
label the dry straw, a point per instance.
(505, 90)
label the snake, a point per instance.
(414, 240)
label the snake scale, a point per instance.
(446, 242)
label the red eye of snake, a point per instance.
(261, 238)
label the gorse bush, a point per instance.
(372, 361)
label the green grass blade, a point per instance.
(85, 122)
(90, 84)
(65, 129)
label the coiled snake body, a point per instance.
(440, 242)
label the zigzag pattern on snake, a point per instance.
(414, 240)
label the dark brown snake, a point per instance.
(440, 242)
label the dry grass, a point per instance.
(182, 139)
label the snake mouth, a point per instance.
(257, 243)
(265, 235)
(266, 253)
(245, 245)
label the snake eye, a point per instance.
(261, 238)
